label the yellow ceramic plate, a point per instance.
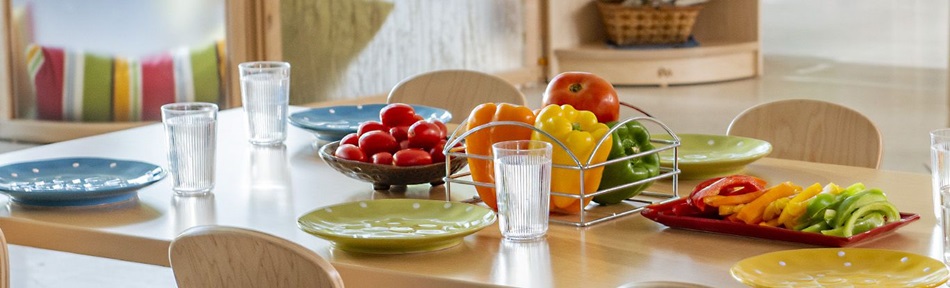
(706, 156)
(396, 225)
(845, 267)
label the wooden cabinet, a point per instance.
(727, 30)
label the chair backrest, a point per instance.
(812, 130)
(4, 262)
(216, 256)
(457, 91)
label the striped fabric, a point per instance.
(77, 86)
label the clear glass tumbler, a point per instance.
(940, 169)
(523, 184)
(190, 130)
(265, 92)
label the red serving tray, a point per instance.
(666, 217)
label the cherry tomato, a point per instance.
(397, 114)
(377, 141)
(424, 135)
(445, 130)
(400, 132)
(371, 126)
(383, 158)
(350, 152)
(418, 118)
(411, 157)
(404, 144)
(352, 138)
(436, 152)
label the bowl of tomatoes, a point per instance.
(385, 175)
(399, 149)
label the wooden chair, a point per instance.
(217, 256)
(812, 130)
(4, 262)
(457, 91)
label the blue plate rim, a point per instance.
(59, 197)
(296, 117)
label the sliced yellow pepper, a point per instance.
(752, 212)
(774, 209)
(796, 206)
(580, 132)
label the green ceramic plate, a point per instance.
(394, 226)
(706, 156)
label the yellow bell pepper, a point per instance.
(752, 212)
(580, 132)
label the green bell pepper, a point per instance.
(628, 139)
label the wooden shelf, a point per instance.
(727, 32)
(710, 62)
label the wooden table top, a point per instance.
(624, 250)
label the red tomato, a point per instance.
(404, 144)
(445, 130)
(411, 157)
(383, 158)
(378, 141)
(584, 91)
(436, 152)
(352, 138)
(397, 114)
(418, 118)
(371, 126)
(400, 132)
(424, 135)
(350, 152)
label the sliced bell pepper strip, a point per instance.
(728, 184)
(796, 206)
(848, 229)
(858, 200)
(479, 143)
(815, 210)
(721, 200)
(774, 209)
(752, 212)
(580, 132)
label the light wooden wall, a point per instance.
(347, 48)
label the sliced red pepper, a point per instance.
(731, 185)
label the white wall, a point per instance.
(886, 32)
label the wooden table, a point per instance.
(268, 188)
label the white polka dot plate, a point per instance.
(392, 226)
(840, 267)
(65, 182)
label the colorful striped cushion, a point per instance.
(77, 86)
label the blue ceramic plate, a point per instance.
(332, 123)
(76, 181)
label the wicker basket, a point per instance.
(626, 25)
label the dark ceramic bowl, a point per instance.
(382, 176)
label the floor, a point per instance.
(896, 74)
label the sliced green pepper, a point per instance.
(852, 203)
(628, 139)
(815, 210)
(864, 219)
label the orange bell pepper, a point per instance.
(479, 143)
